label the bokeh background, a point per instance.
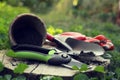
(89, 17)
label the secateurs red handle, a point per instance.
(51, 58)
(60, 44)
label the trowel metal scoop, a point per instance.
(78, 46)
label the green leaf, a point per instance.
(84, 67)
(80, 76)
(1, 78)
(100, 69)
(1, 66)
(7, 77)
(75, 68)
(56, 78)
(51, 78)
(21, 78)
(46, 77)
(51, 52)
(14, 79)
(117, 71)
(10, 53)
(20, 68)
(93, 78)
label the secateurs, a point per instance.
(46, 55)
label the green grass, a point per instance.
(8, 13)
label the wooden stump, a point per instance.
(36, 69)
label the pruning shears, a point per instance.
(50, 57)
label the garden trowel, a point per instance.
(85, 47)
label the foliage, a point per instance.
(20, 68)
(53, 30)
(99, 69)
(83, 67)
(86, 18)
(7, 14)
(1, 66)
(19, 78)
(51, 78)
(81, 76)
(39, 6)
(104, 10)
(9, 77)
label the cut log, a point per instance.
(37, 68)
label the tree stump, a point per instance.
(36, 69)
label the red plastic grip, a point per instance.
(50, 37)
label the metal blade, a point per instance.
(62, 45)
(72, 63)
(78, 46)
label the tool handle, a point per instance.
(28, 55)
(27, 47)
(50, 37)
(50, 59)
(60, 44)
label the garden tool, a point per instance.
(80, 46)
(60, 44)
(99, 39)
(89, 53)
(51, 58)
(85, 57)
(75, 54)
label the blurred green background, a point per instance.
(89, 17)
